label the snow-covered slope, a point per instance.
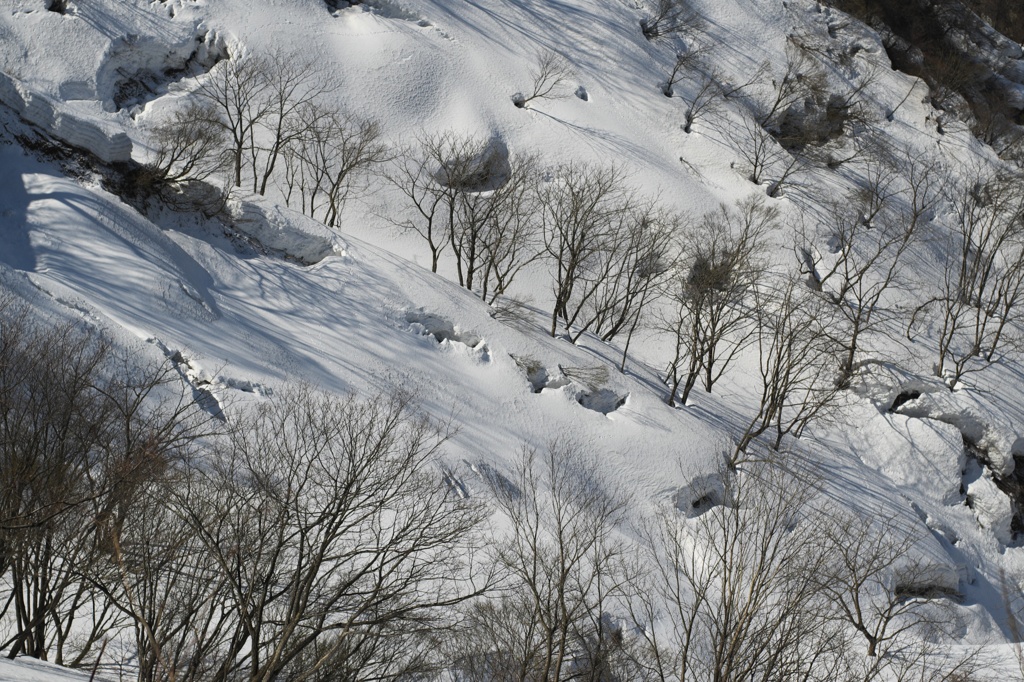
(367, 316)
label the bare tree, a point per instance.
(801, 79)
(495, 231)
(797, 363)
(435, 178)
(81, 432)
(669, 17)
(684, 62)
(162, 577)
(293, 83)
(551, 76)
(564, 569)
(339, 551)
(639, 256)
(156, 425)
(327, 158)
(512, 238)
(51, 423)
(652, 255)
(187, 146)
(764, 159)
(736, 579)
(883, 590)
(703, 103)
(983, 279)
(708, 320)
(583, 209)
(865, 262)
(237, 90)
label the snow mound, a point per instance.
(923, 454)
(991, 506)
(280, 229)
(77, 124)
(979, 424)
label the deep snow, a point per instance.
(367, 316)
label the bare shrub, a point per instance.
(551, 75)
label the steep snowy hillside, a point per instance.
(863, 248)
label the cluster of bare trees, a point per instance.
(312, 538)
(619, 262)
(308, 540)
(764, 580)
(265, 120)
(770, 582)
(82, 431)
(473, 200)
(977, 304)
(608, 249)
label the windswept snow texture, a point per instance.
(356, 309)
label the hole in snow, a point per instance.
(700, 495)
(603, 401)
(444, 331)
(585, 384)
(904, 397)
(59, 6)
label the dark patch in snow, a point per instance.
(202, 395)
(603, 400)
(582, 93)
(927, 591)
(452, 482)
(1012, 485)
(904, 397)
(700, 495)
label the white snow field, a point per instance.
(280, 298)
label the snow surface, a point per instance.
(33, 670)
(356, 310)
